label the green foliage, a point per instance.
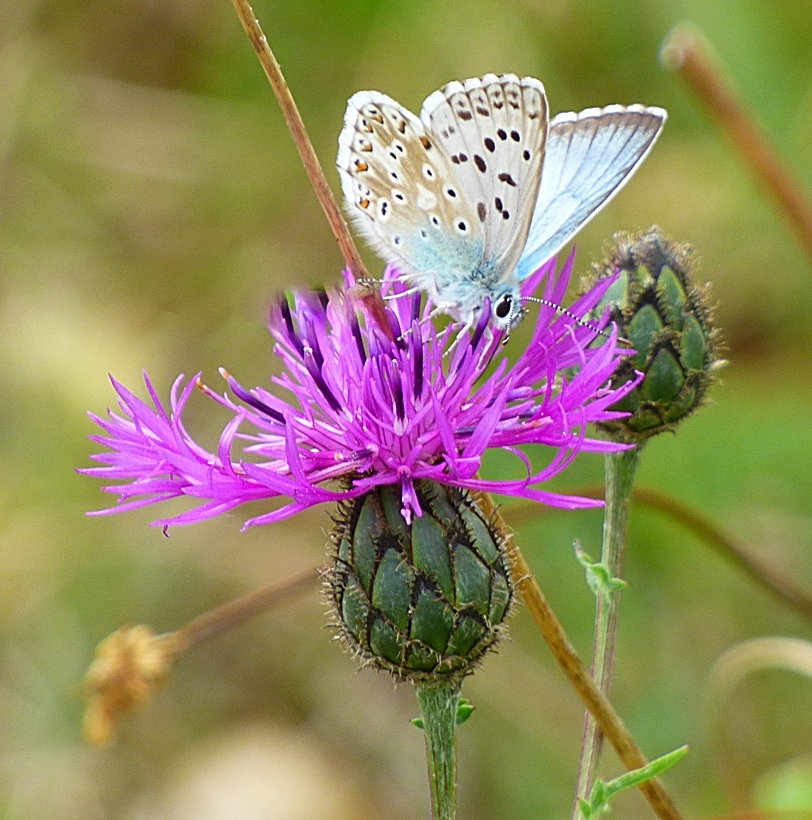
(602, 583)
(603, 792)
(464, 710)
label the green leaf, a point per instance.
(603, 792)
(602, 583)
(464, 710)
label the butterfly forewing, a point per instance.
(590, 156)
(400, 191)
(493, 130)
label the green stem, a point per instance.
(620, 469)
(438, 704)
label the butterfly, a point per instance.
(472, 197)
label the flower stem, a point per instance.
(620, 469)
(704, 529)
(741, 554)
(233, 614)
(438, 704)
(566, 656)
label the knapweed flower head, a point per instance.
(367, 406)
(668, 318)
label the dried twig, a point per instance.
(686, 51)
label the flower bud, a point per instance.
(668, 321)
(423, 600)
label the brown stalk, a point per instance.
(706, 530)
(686, 51)
(601, 709)
(370, 295)
(236, 612)
(599, 706)
(131, 664)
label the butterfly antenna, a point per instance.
(370, 281)
(568, 313)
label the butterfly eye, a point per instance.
(504, 306)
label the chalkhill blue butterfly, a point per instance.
(480, 191)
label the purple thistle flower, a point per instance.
(367, 409)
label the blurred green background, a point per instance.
(151, 203)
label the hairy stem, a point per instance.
(605, 715)
(438, 704)
(620, 469)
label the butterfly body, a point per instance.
(453, 197)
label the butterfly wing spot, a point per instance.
(383, 209)
(372, 112)
(428, 171)
(481, 211)
(462, 226)
(450, 193)
(397, 120)
(399, 196)
(489, 144)
(360, 165)
(426, 143)
(501, 133)
(459, 158)
(525, 155)
(507, 179)
(481, 104)
(532, 103)
(497, 98)
(515, 136)
(500, 208)
(480, 163)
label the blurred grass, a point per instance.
(151, 203)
